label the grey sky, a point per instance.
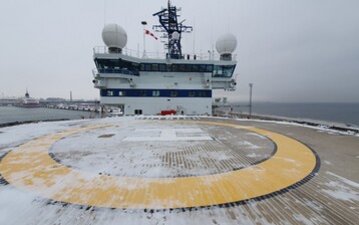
(301, 51)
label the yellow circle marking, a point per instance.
(31, 168)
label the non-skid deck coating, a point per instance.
(83, 172)
(30, 167)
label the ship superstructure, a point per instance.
(178, 82)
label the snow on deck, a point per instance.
(167, 149)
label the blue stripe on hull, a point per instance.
(169, 93)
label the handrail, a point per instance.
(210, 55)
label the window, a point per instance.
(202, 68)
(195, 68)
(174, 68)
(174, 93)
(228, 71)
(147, 67)
(117, 66)
(218, 71)
(209, 68)
(182, 68)
(223, 70)
(155, 93)
(191, 94)
(154, 67)
(163, 67)
(143, 93)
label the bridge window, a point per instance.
(174, 68)
(163, 67)
(117, 66)
(203, 68)
(154, 67)
(197, 68)
(223, 70)
(147, 67)
(184, 68)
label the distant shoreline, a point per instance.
(345, 113)
(330, 125)
(15, 123)
(12, 116)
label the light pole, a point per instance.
(144, 23)
(250, 99)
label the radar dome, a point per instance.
(114, 36)
(226, 44)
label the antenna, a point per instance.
(104, 12)
(250, 99)
(172, 30)
(194, 37)
(144, 23)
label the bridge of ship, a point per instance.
(119, 64)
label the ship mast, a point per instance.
(172, 30)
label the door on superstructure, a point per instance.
(122, 108)
(138, 111)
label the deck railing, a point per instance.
(210, 55)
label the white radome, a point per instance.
(226, 44)
(114, 36)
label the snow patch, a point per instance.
(327, 162)
(342, 189)
(302, 219)
(14, 203)
(168, 134)
(252, 155)
(257, 135)
(344, 180)
(249, 144)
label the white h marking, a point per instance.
(181, 134)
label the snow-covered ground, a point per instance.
(166, 149)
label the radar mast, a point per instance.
(172, 30)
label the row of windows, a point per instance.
(119, 70)
(197, 68)
(155, 93)
(117, 66)
(132, 68)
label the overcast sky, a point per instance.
(293, 51)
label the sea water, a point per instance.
(14, 114)
(347, 113)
